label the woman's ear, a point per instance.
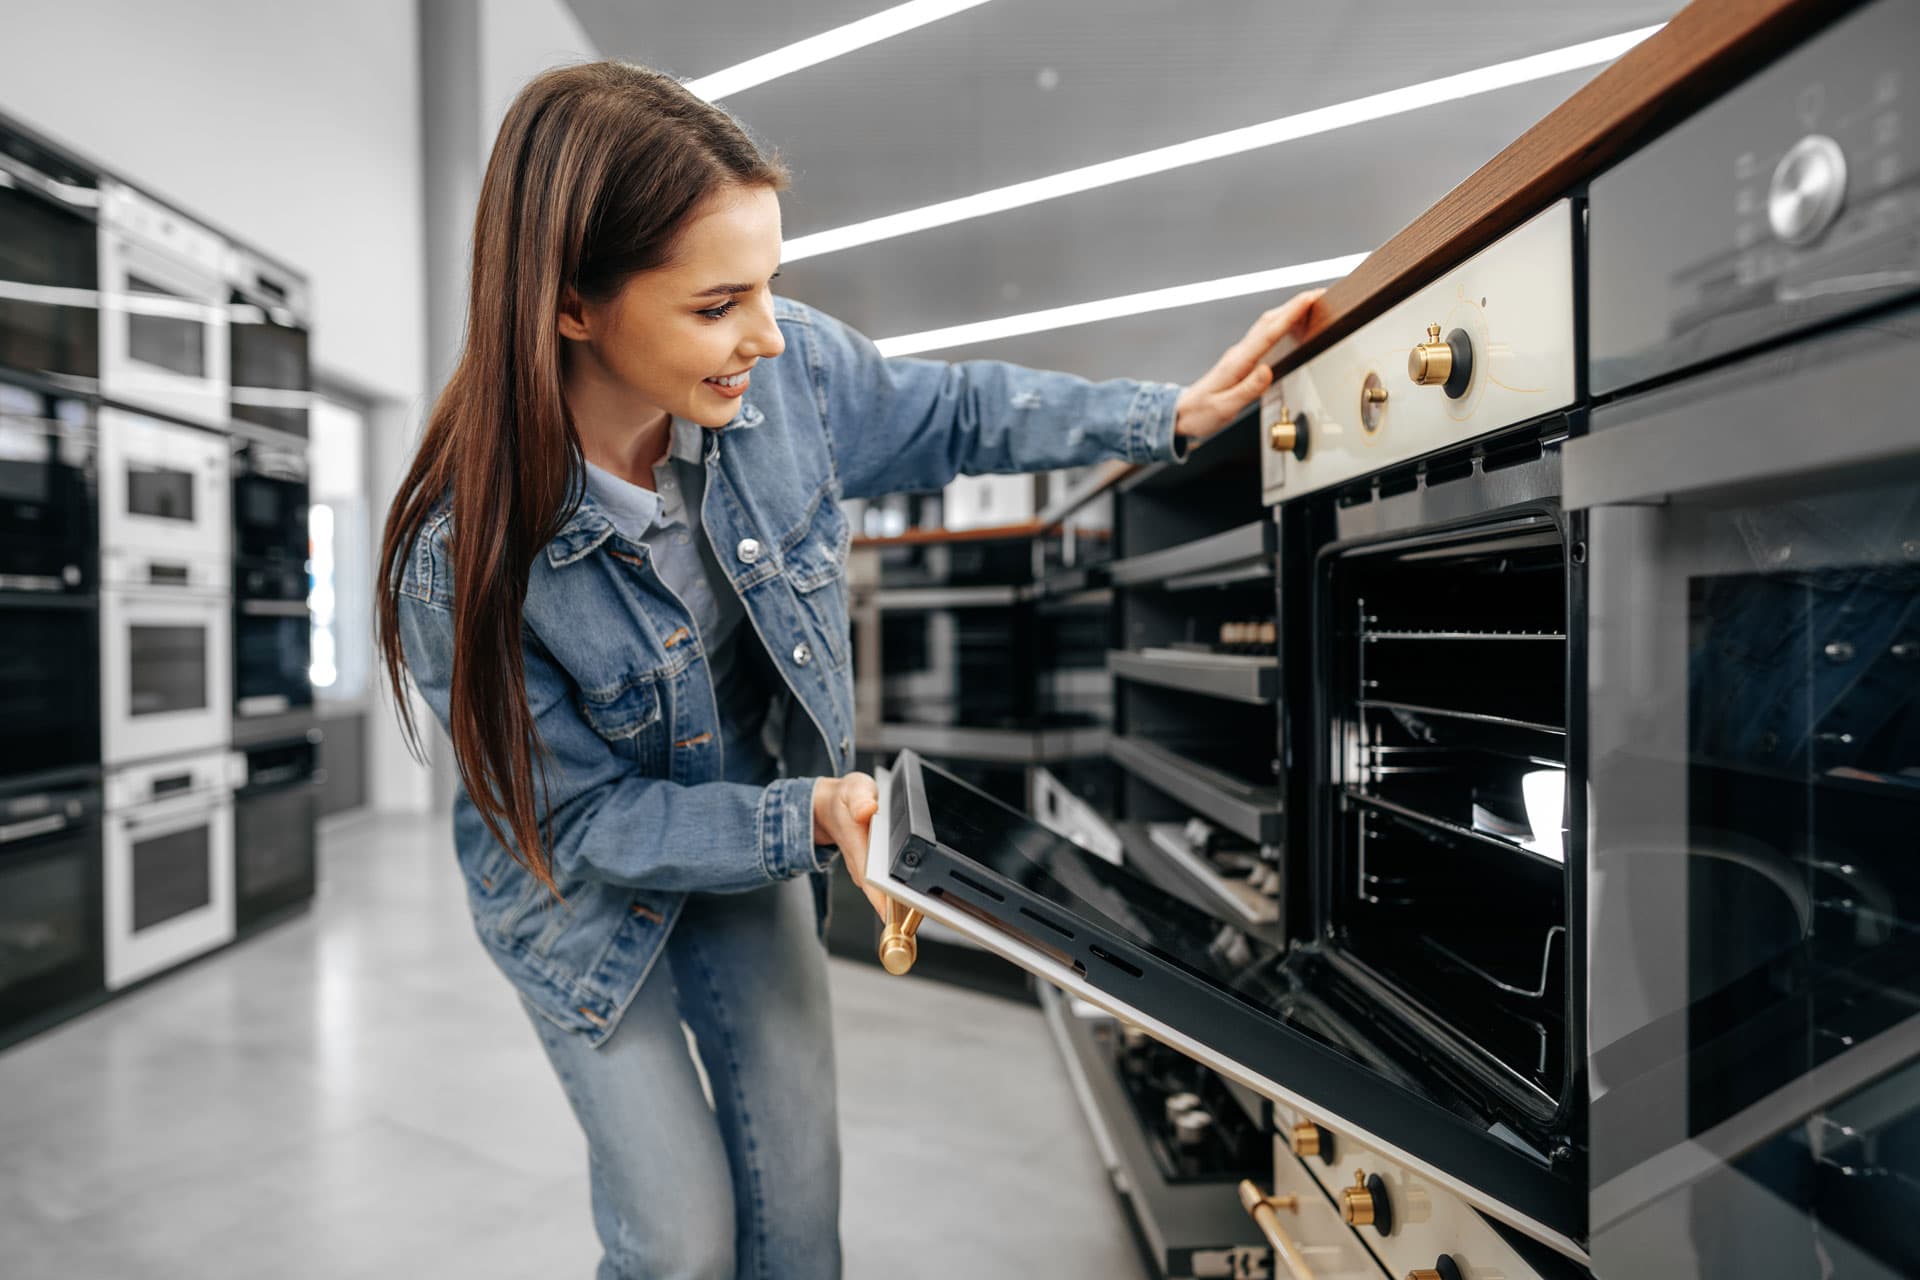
(573, 317)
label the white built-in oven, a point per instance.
(166, 670)
(163, 304)
(169, 877)
(165, 489)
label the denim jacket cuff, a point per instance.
(786, 829)
(1150, 435)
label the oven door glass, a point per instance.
(271, 378)
(270, 519)
(164, 340)
(49, 276)
(1231, 1000)
(49, 720)
(1756, 883)
(273, 654)
(169, 885)
(165, 489)
(47, 518)
(49, 910)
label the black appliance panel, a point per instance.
(49, 719)
(51, 941)
(268, 347)
(49, 495)
(49, 265)
(1154, 953)
(274, 829)
(1792, 200)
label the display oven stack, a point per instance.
(1595, 560)
(118, 414)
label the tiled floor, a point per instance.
(356, 1094)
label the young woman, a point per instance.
(615, 573)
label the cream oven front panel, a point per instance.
(1505, 324)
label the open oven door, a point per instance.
(1229, 1000)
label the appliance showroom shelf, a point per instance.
(1012, 746)
(1241, 677)
(983, 597)
(1237, 554)
(1251, 811)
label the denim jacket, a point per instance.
(619, 689)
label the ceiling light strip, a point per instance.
(802, 54)
(1303, 124)
(1132, 304)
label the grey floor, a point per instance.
(357, 1094)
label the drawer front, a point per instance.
(1510, 306)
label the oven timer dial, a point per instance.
(1446, 363)
(1288, 433)
(1809, 185)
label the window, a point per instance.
(340, 550)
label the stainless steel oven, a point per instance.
(164, 490)
(1755, 870)
(272, 628)
(275, 815)
(163, 335)
(49, 264)
(268, 314)
(49, 520)
(51, 945)
(169, 879)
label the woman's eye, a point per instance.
(720, 312)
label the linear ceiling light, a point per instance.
(872, 29)
(1132, 304)
(1304, 124)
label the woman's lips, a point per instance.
(731, 392)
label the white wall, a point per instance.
(518, 40)
(292, 126)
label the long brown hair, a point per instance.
(595, 170)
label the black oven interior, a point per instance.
(1444, 894)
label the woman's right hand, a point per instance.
(843, 810)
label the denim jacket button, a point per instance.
(748, 550)
(802, 654)
(846, 746)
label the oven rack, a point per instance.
(1370, 636)
(1478, 717)
(1246, 809)
(1251, 678)
(1370, 801)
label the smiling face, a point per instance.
(683, 338)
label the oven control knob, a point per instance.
(1365, 1203)
(1445, 363)
(1809, 185)
(1443, 1268)
(1309, 1139)
(1289, 434)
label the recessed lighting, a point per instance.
(1131, 304)
(872, 29)
(1304, 124)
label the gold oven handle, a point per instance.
(1265, 1212)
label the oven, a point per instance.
(275, 816)
(49, 522)
(164, 490)
(49, 719)
(50, 905)
(49, 264)
(272, 629)
(165, 671)
(268, 314)
(163, 336)
(169, 871)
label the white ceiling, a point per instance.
(1018, 89)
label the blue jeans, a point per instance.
(749, 1186)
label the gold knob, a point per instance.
(1282, 433)
(1356, 1202)
(1430, 363)
(1375, 393)
(1306, 1138)
(1425, 1273)
(898, 946)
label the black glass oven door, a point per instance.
(48, 518)
(273, 833)
(271, 377)
(49, 281)
(49, 719)
(1754, 891)
(270, 519)
(50, 905)
(1225, 997)
(273, 654)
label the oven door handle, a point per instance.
(1265, 1212)
(45, 825)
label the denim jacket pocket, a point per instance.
(627, 715)
(816, 569)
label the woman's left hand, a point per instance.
(1240, 375)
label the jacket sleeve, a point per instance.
(901, 424)
(608, 822)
